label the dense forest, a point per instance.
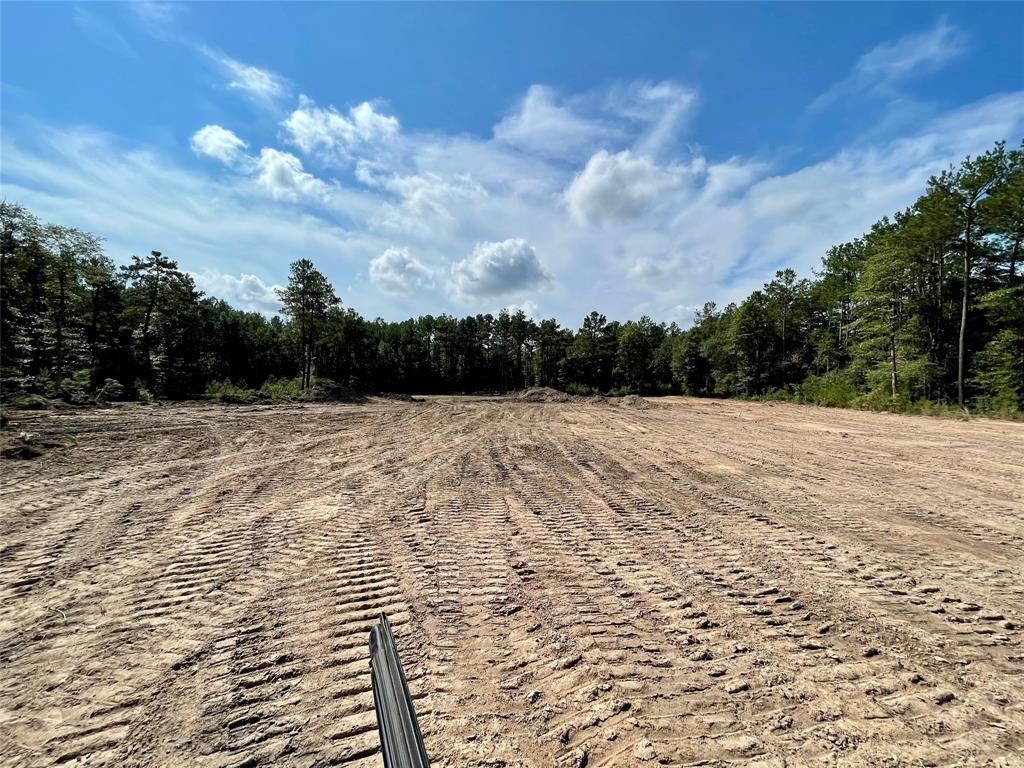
(925, 308)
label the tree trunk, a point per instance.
(784, 348)
(147, 347)
(963, 318)
(93, 337)
(58, 346)
(894, 383)
(892, 365)
(1014, 254)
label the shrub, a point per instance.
(226, 392)
(834, 390)
(578, 389)
(26, 401)
(141, 392)
(281, 389)
(880, 400)
(112, 389)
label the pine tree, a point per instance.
(307, 299)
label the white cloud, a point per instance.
(684, 313)
(282, 175)
(881, 70)
(218, 143)
(244, 291)
(139, 201)
(651, 231)
(156, 17)
(102, 32)
(395, 271)
(647, 116)
(661, 108)
(618, 187)
(259, 84)
(495, 268)
(329, 134)
(428, 202)
(543, 126)
(528, 308)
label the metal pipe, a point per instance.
(401, 742)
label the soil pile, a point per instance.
(634, 401)
(544, 395)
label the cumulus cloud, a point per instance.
(244, 291)
(882, 69)
(282, 175)
(528, 308)
(258, 84)
(495, 268)
(395, 271)
(218, 143)
(618, 187)
(661, 230)
(139, 200)
(332, 135)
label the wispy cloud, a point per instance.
(261, 85)
(428, 222)
(158, 18)
(881, 71)
(102, 31)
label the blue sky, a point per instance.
(633, 158)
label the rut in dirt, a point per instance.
(569, 583)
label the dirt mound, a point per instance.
(332, 393)
(634, 401)
(543, 395)
(26, 445)
(405, 398)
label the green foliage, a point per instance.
(226, 392)
(112, 389)
(835, 389)
(141, 392)
(924, 311)
(275, 388)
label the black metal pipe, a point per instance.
(401, 742)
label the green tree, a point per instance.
(1001, 362)
(162, 315)
(307, 299)
(638, 342)
(70, 250)
(1003, 212)
(590, 359)
(967, 187)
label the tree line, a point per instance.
(926, 307)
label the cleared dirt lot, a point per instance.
(571, 584)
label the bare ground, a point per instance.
(571, 584)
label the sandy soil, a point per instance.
(571, 584)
